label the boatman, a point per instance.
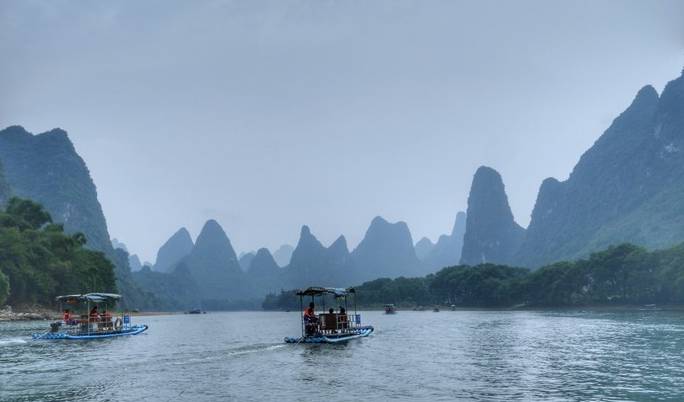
(310, 319)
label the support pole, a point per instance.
(301, 312)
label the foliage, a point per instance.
(40, 261)
(412, 291)
(485, 285)
(4, 288)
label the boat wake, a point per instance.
(244, 350)
(12, 341)
(254, 349)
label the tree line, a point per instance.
(38, 261)
(620, 275)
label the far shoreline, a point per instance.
(39, 313)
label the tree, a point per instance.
(4, 288)
(28, 211)
(38, 261)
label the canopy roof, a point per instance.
(317, 291)
(90, 297)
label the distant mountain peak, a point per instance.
(212, 233)
(16, 130)
(423, 248)
(263, 264)
(178, 246)
(306, 238)
(283, 254)
(386, 250)
(646, 93)
(340, 244)
(447, 251)
(459, 224)
(245, 259)
(213, 263)
(491, 232)
(379, 220)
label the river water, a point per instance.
(450, 355)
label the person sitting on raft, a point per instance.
(342, 318)
(310, 319)
(68, 320)
(106, 319)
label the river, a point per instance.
(450, 355)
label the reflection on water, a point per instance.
(460, 355)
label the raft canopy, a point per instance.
(318, 291)
(90, 297)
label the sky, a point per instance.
(267, 115)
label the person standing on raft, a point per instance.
(310, 319)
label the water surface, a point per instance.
(451, 355)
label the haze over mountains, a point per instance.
(628, 187)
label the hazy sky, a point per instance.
(267, 115)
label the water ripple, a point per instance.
(462, 355)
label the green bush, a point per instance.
(39, 261)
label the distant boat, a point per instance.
(196, 311)
(435, 310)
(390, 309)
(91, 323)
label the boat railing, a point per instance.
(95, 325)
(335, 322)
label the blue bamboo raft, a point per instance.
(330, 327)
(358, 332)
(132, 330)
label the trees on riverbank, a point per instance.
(620, 275)
(39, 261)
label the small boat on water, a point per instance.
(96, 323)
(331, 326)
(390, 309)
(196, 311)
(435, 310)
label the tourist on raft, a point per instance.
(343, 318)
(310, 319)
(68, 319)
(94, 316)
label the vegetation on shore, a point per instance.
(620, 275)
(38, 261)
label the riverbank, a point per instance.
(593, 307)
(27, 313)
